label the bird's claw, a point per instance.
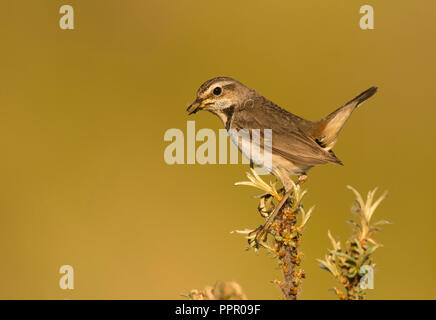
(258, 237)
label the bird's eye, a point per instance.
(217, 91)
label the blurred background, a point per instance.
(83, 113)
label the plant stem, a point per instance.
(287, 245)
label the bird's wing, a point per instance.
(290, 134)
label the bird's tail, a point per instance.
(327, 129)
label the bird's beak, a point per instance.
(194, 107)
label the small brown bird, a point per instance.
(297, 144)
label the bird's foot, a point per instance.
(258, 237)
(302, 179)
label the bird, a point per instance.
(296, 144)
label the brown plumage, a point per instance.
(326, 130)
(293, 136)
(297, 144)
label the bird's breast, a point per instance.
(249, 145)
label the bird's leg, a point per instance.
(262, 231)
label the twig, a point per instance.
(350, 265)
(285, 233)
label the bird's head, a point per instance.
(218, 94)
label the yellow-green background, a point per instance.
(83, 115)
